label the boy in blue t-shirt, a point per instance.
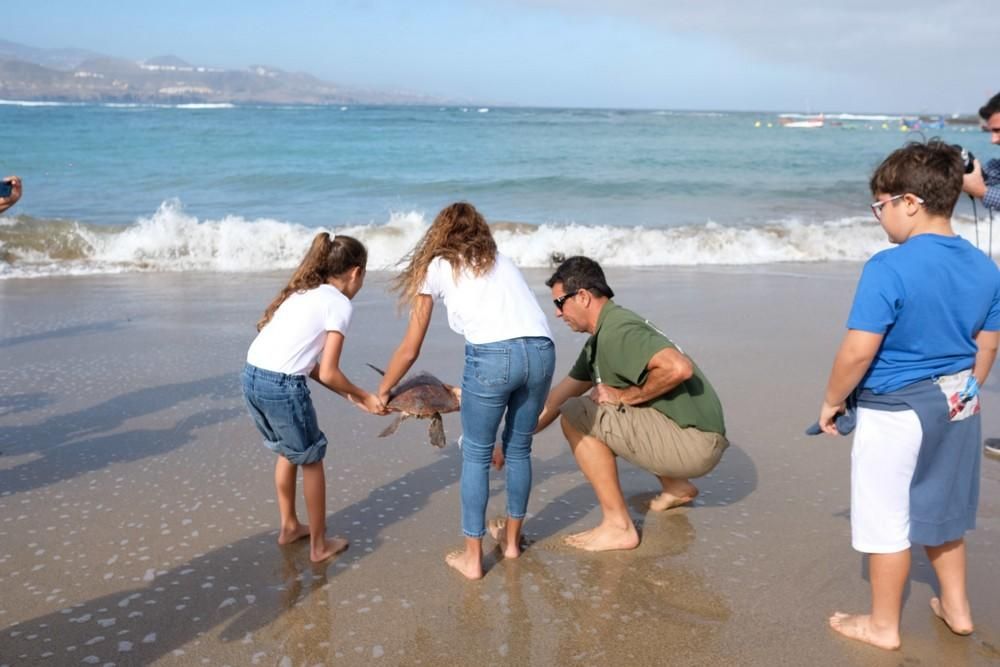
(922, 337)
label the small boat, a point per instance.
(915, 124)
(800, 120)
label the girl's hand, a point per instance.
(498, 457)
(384, 397)
(374, 405)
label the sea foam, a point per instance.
(174, 240)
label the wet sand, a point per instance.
(138, 519)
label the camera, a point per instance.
(968, 159)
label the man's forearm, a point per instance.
(562, 392)
(991, 199)
(547, 416)
(658, 382)
(991, 180)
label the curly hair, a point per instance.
(327, 257)
(458, 234)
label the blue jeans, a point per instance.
(513, 377)
(283, 412)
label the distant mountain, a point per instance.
(64, 59)
(168, 61)
(75, 75)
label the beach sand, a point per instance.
(138, 519)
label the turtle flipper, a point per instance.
(437, 431)
(391, 428)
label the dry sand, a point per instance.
(138, 520)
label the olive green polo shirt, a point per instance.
(617, 355)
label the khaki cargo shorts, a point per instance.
(647, 438)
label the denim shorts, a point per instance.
(283, 412)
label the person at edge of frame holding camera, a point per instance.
(983, 182)
(10, 192)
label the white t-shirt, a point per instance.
(496, 306)
(292, 341)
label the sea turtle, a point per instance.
(422, 396)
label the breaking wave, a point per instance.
(173, 240)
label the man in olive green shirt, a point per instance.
(648, 403)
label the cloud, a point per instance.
(848, 30)
(945, 48)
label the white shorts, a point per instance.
(886, 445)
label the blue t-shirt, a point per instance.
(930, 297)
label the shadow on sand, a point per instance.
(235, 590)
(733, 479)
(69, 445)
(65, 332)
(239, 591)
(12, 404)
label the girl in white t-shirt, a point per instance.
(302, 334)
(509, 360)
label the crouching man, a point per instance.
(648, 403)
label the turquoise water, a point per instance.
(337, 167)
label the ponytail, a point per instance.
(327, 257)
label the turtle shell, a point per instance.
(422, 395)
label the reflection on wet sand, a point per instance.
(557, 606)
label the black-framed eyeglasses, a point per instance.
(877, 206)
(559, 301)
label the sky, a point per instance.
(776, 55)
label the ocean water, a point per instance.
(119, 188)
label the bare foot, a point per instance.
(675, 492)
(605, 538)
(289, 535)
(578, 538)
(665, 501)
(860, 627)
(328, 549)
(960, 624)
(470, 567)
(498, 531)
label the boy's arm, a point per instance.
(987, 342)
(850, 365)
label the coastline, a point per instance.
(138, 520)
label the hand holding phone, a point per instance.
(10, 192)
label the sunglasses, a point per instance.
(563, 299)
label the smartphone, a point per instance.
(6, 188)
